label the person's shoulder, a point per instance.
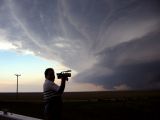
(56, 87)
(46, 83)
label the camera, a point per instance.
(64, 74)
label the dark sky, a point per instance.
(113, 43)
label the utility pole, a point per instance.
(17, 75)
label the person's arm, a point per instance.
(62, 86)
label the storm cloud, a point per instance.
(111, 43)
(134, 65)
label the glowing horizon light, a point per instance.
(29, 66)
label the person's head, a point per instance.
(49, 74)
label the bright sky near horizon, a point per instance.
(31, 69)
(29, 66)
(108, 44)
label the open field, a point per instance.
(126, 105)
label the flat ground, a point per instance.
(126, 105)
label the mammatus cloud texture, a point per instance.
(108, 42)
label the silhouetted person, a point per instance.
(52, 96)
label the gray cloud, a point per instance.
(113, 38)
(135, 64)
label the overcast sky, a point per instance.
(110, 44)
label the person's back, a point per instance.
(52, 96)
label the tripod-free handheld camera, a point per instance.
(64, 74)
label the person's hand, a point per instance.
(65, 79)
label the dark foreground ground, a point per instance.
(125, 105)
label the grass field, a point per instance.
(126, 105)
